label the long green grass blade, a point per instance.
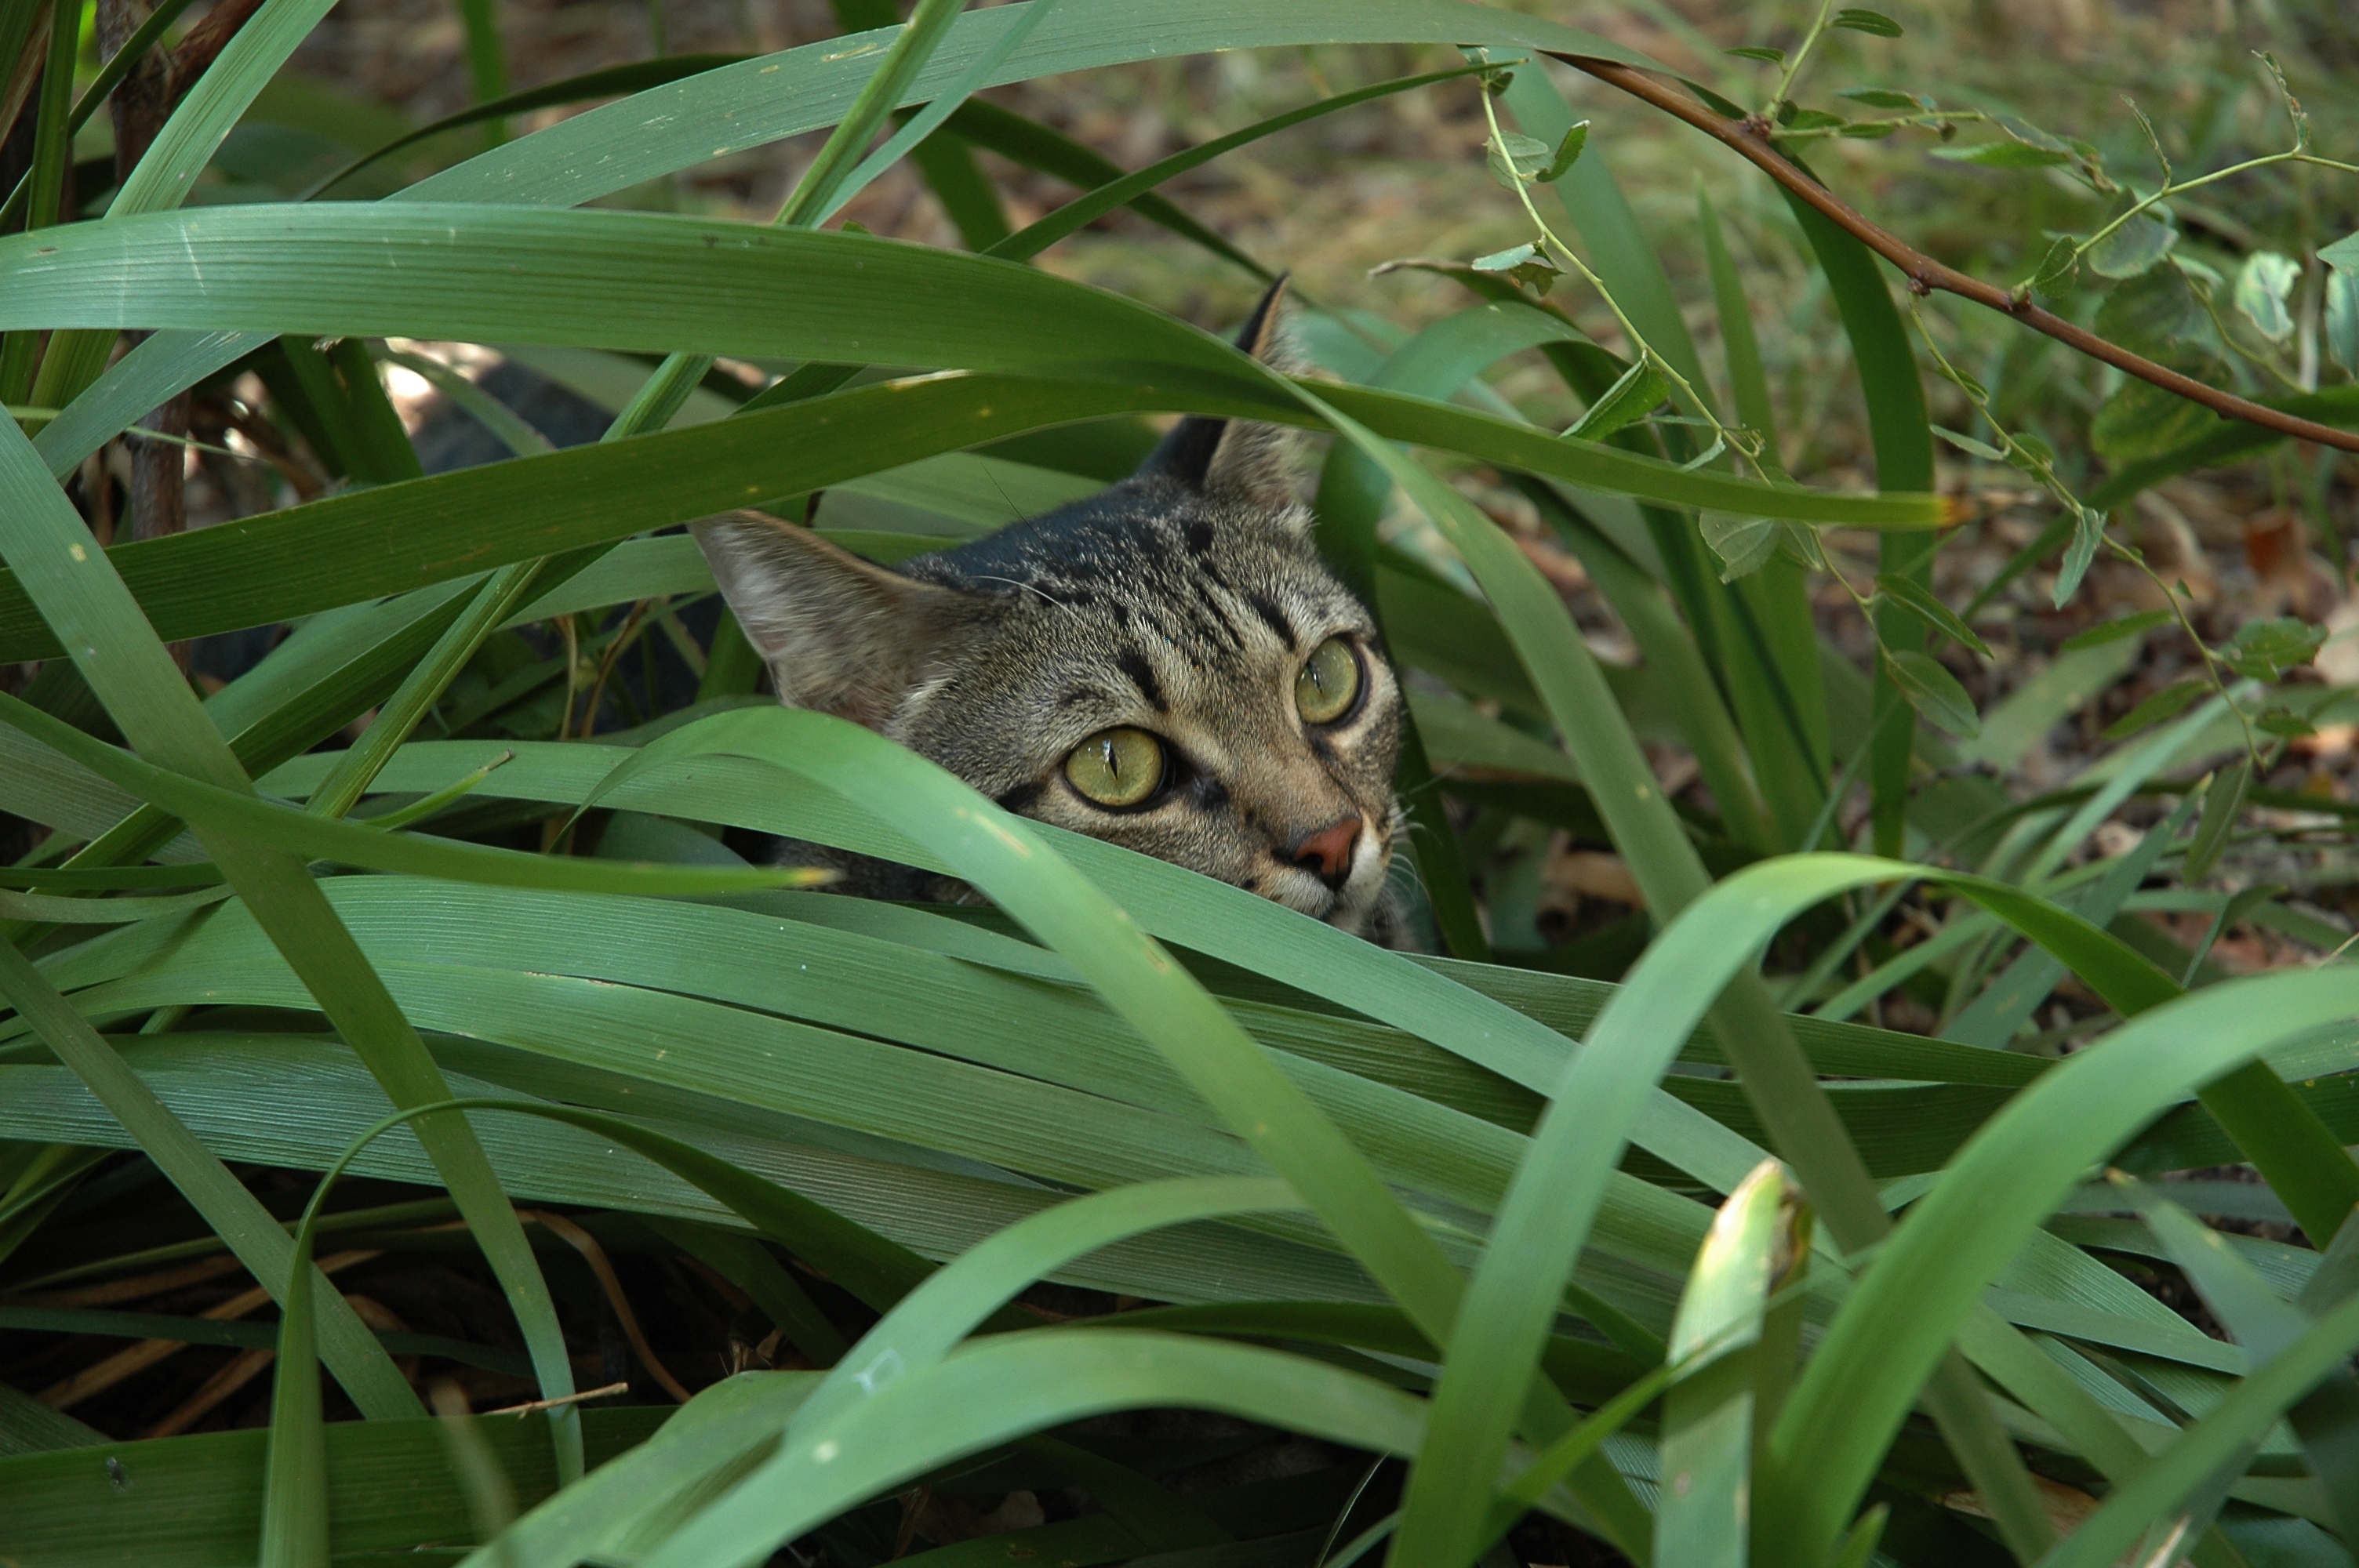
(236, 1215)
(1704, 1516)
(761, 101)
(79, 593)
(1899, 428)
(1902, 1312)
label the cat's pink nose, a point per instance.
(1329, 850)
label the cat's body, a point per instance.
(1166, 664)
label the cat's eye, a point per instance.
(1328, 682)
(1117, 767)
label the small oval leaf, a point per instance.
(1861, 20)
(1920, 600)
(1934, 693)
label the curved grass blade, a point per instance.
(116, 651)
(1352, 494)
(2228, 1430)
(632, 76)
(1901, 431)
(1902, 1312)
(1038, 236)
(1016, 1384)
(236, 1215)
(1545, 1217)
(180, 150)
(159, 366)
(927, 1326)
(1002, 855)
(384, 540)
(253, 820)
(1702, 1517)
(929, 119)
(2266, 1326)
(749, 106)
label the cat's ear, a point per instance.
(839, 635)
(1237, 460)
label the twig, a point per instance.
(608, 1392)
(1925, 275)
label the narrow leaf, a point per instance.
(1934, 693)
(1639, 391)
(2168, 703)
(2113, 630)
(1920, 600)
(1861, 20)
(2222, 801)
(1742, 544)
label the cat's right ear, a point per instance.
(839, 635)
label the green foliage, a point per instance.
(1680, 1260)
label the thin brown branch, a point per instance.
(1927, 275)
(207, 39)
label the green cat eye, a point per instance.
(1328, 684)
(1117, 767)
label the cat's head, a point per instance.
(1166, 664)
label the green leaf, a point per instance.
(2168, 703)
(2004, 154)
(1934, 693)
(2058, 264)
(1707, 1443)
(1640, 390)
(1742, 544)
(2131, 249)
(1920, 600)
(1568, 153)
(634, 76)
(1969, 444)
(2343, 318)
(2153, 312)
(1794, 117)
(81, 597)
(2113, 630)
(2264, 284)
(2223, 799)
(765, 100)
(2343, 256)
(2265, 650)
(195, 1500)
(1860, 20)
(2285, 722)
(1513, 158)
(1525, 264)
(1761, 52)
(2088, 532)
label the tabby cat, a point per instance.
(1165, 665)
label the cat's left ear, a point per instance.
(1238, 460)
(839, 635)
